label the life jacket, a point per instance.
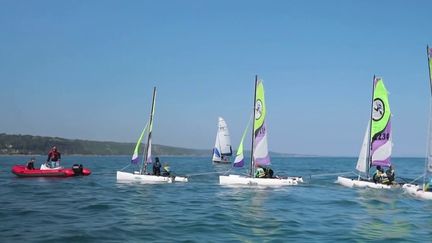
(54, 155)
(260, 173)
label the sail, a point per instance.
(216, 150)
(149, 141)
(429, 157)
(224, 138)
(363, 162)
(135, 158)
(260, 148)
(239, 159)
(381, 143)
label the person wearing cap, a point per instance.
(54, 157)
(157, 167)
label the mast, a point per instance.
(145, 159)
(369, 158)
(428, 152)
(252, 170)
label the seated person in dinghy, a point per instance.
(30, 164)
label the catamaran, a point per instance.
(425, 191)
(377, 142)
(259, 152)
(142, 175)
(222, 149)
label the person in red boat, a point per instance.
(30, 164)
(54, 157)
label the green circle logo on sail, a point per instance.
(378, 109)
(258, 109)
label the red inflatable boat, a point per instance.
(76, 170)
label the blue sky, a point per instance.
(85, 69)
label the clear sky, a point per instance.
(85, 69)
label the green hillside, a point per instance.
(27, 144)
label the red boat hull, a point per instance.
(22, 171)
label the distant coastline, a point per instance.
(18, 144)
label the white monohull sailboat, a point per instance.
(377, 142)
(222, 149)
(259, 154)
(425, 191)
(142, 175)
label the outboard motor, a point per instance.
(77, 169)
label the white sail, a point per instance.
(223, 141)
(362, 162)
(224, 138)
(216, 150)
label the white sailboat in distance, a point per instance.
(222, 149)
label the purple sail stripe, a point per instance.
(259, 134)
(378, 143)
(135, 161)
(262, 161)
(384, 163)
(239, 163)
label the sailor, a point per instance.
(54, 157)
(428, 186)
(157, 167)
(166, 170)
(390, 174)
(268, 172)
(260, 173)
(30, 164)
(378, 175)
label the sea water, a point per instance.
(99, 209)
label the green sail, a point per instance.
(260, 108)
(381, 109)
(136, 150)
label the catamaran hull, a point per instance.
(416, 191)
(348, 182)
(148, 179)
(242, 180)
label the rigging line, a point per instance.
(416, 179)
(125, 167)
(205, 173)
(332, 174)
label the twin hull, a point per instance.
(149, 179)
(416, 191)
(348, 182)
(242, 180)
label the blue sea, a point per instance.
(98, 209)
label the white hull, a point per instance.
(348, 182)
(416, 191)
(148, 179)
(242, 180)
